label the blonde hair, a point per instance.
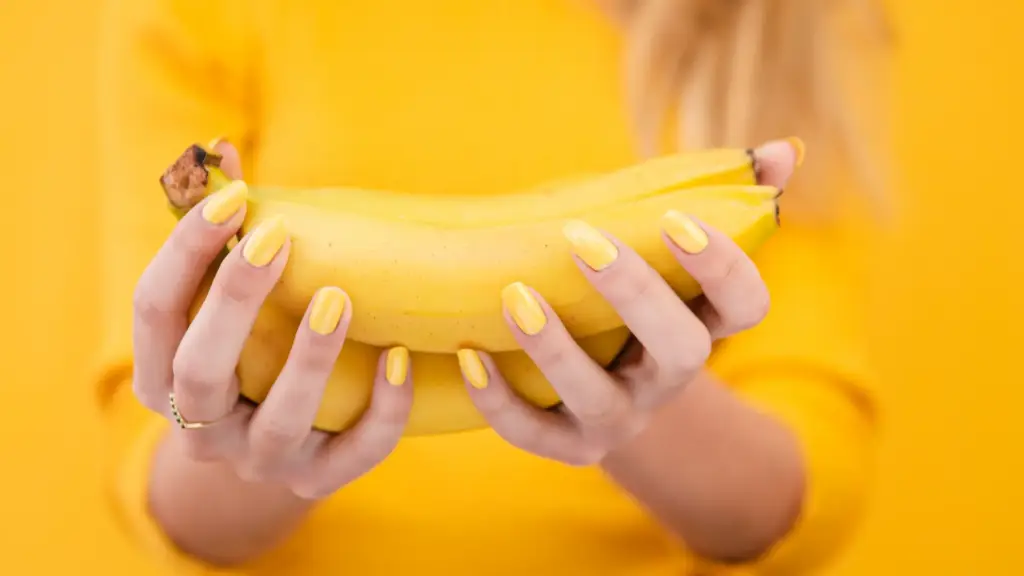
(740, 72)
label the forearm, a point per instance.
(728, 479)
(210, 513)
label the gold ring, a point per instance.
(185, 424)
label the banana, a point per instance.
(426, 272)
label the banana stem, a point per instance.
(193, 176)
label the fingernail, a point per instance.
(226, 202)
(684, 232)
(232, 242)
(524, 308)
(472, 368)
(397, 365)
(213, 143)
(328, 306)
(265, 242)
(799, 149)
(596, 250)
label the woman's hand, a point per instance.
(602, 409)
(187, 371)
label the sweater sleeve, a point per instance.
(808, 365)
(172, 73)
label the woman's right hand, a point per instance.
(195, 363)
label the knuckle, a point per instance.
(525, 434)
(263, 469)
(747, 312)
(190, 241)
(689, 359)
(392, 424)
(315, 357)
(602, 411)
(233, 287)
(147, 305)
(586, 456)
(250, 472)
(388, 417)
(490, 405)
(598, 416)
(238, 282)
(759, 306)
(696, 354)
(193, 377)
(732, 267)
(368, 454)
(338, 470)
(311, 489)
(151, 401)
(626, 284)
(552, 352)
(722, 271)
(276, 434)
(369, 449)
(145, 393)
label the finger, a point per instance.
(283, 421)
(167, 286)
(231, 161)
(664, 325)
(204, 366)
(590, 394)
(357, 451)
(230, 164)
(776, 161)
(546, 434)
(225, 438)
(736, 297)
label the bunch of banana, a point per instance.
(426, 272)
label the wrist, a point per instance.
(723, 476)
(208, 512)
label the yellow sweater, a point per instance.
(458, 96)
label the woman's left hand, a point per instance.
(601, 409)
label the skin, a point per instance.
(725, 478)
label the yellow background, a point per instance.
(948, 498)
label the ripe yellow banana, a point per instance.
(426, 271)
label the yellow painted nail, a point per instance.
(799, 148)
(594, 248)
(397, 365)
(328, 306)
(524, 308)
(232, 242)
(684, 232)
(213, 143)
(472, 368)
(265, 241)
(225, 203)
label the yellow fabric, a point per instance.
(479, 96)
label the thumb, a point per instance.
(776, 161)
(231, 162)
